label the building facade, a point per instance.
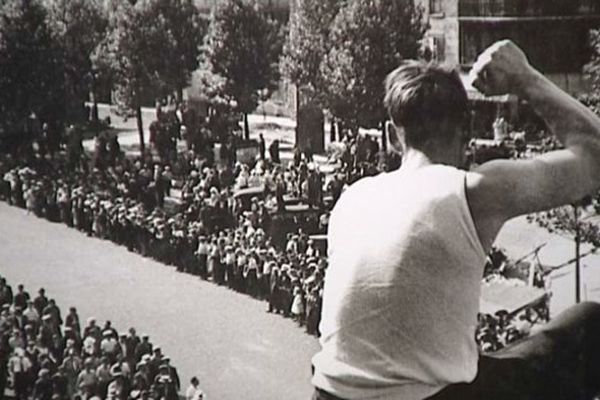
(280, 9)
(553, 33)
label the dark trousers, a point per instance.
(561, 362)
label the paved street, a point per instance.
(237, 350)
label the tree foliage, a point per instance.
(592, 73)
(135, 47)
(80, 26)
(369, 39)
(31, 67)
(243, 46)
(567, 220)
(308, 42)
(184, 30)
(155, 48)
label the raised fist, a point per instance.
(501, 69)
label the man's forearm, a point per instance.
(571, 121)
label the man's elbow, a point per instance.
(588, 153)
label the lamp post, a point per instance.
(577, 256)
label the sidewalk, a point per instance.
(271, 127)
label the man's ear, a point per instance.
(393, 134)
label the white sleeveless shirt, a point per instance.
(402, 289)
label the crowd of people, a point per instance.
(46, 357)
(208, 232)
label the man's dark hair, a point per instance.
(425, 99)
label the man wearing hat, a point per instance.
(229, 261)
(72, 321)
(202, 253)
(31, 315)
(53, 310)
(60, 383)
(118, 387)
(154, 362)
(42, 389)
(103, 375)
(21, 297)
(144, 347)
(6, 293)
(166, 361)
(109, 346)
(131, 343)
(92, 329)
(166, 386)
(87, 377)
(18, 368)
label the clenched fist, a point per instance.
(502, 68)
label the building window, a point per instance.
(551, 46)
(435, 7)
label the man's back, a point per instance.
(402, 289)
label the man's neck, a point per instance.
(416, 158)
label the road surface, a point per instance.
(237, 350)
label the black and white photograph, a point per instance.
(300, 199)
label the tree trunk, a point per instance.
(383, 137)
(332, 130)
(95, 119)
(180, 94)
(140, 126)
(246, 127)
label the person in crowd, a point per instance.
(6, 293)
(21, 297)
(144, 347)
(72, 321)
(194, 392)
(19, 368)
(297, 308)
(46, 364)
(43, 388)
(31, 315)
(262, 147)
(117, 389)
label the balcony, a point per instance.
(529, 9)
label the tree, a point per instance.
(134, 48)
(306, 45)
(80, 26)
(592, 73)
(308, 42)
(31, 78)
(184, 30)
(369, 39)
(155, 48)
(243, 46)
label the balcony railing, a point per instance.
(528, 8)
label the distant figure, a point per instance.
(500, 128)
(274, 152)
(193, 391)
(261, 146)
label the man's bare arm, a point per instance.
(502, 189)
